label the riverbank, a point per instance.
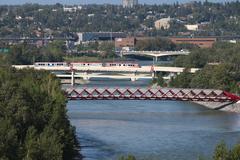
(216, 105)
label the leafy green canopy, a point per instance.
(220, 68)
(222, 153)
(25, 54)
(33, 120)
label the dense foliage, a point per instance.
(33, 121)
(220, 68)
(28, 54)
(155, 44)
(221, 52)
(28, 19)
(222, 152)
(106, 49)
(129, 157)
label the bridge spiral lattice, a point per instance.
(150, 94)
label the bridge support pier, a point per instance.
(153, 75)
(133, 79)
(72, 78)
(86, 76)
(121, 54)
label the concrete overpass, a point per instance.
(86, 73)
(143, 69)
(154, 54)
(88, 76)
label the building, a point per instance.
(196, 27)
(99, 36)
(192, 27)
(129, 3)
(163, 23)
(128, 42)
(201, 42)
(72, 8)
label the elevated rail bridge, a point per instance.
(142, 69)
(132, 73)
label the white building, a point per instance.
(129, 3)
(192, 27)
(163, 23)
(72, 8)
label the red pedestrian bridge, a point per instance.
(173, 94)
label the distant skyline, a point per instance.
(12, 2)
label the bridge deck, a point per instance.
(150, 94)
(155, 53)
(143, 69)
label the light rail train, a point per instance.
(88, 64)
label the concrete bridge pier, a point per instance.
(86, 77)
(121, 54)
(154, 75)
(72, 78)
(133, 79)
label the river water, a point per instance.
(166, 130)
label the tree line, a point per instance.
(33, 120)
(27, 54)
(220, 68)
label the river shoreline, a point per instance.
(214, 105)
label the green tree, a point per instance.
(9, 147)
(182, 80)
(235, 153)
(129, 157)
(221, 152)
(33, 116)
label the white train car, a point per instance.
(122, 64)
(86, 64)
(50, 64)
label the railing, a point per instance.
(150, 94)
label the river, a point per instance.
(167, 130)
